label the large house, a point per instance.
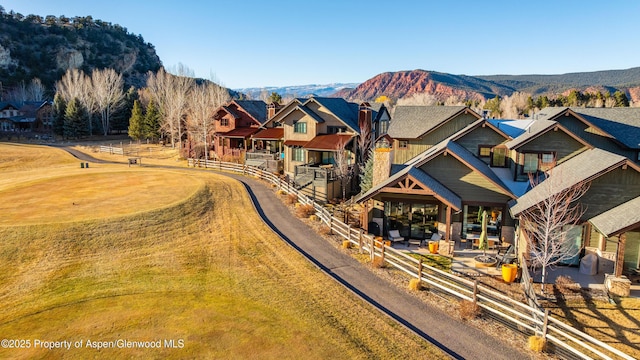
(30, 116)
(447, 165)
(235, 122)
(308, 135)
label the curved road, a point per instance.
(458, 340)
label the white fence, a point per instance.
(525, 318)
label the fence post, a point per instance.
(382, 252)
(244, 169)
(330, 225)
(360, 242)
(544, 324)
(420, 270)
(475, 291)
(348, 232)
(373, 248)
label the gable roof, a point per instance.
(328, 142)
(345, 111)
(256, 108)
(621, 123)
(412, 122)
(538, 128)
(580, 168)
(269, 134)
(474, 125)
(441, 192)
(619, 219)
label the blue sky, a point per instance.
(277, 43)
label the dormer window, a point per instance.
(224, 122)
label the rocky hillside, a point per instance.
(32, 46)
(405, 83)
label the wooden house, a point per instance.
(235, 122)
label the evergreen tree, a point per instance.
(493, 105)
(366, 178)
(275, 98)
(136, 122)
(151, 124)
(59, 110)
(621, 99)
(75, 120)
(120, 118)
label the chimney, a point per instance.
(272, 109)
(382, 159)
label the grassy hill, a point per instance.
(197, 266)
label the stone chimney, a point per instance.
(382, 159)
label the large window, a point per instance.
(499, 157)
(534, 162)
(300, 127)
(472, 219)
(336, 129)
(297, 154)
(415, 221)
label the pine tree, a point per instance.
(621, 99)
(151, 124)
(59, 109)
(75, 120)
(366, 179)
(136, 122)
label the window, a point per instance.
(300, 127)
(499, 157)
(403, 144)
(537, 161)
(384, 126)
(224, 122)
(336, 129)
(484, 151)
(297, 154)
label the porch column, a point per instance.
(622, 240)
(447, 235)
(365, 217)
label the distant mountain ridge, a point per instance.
(297, 90)
(400, 84)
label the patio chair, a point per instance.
(394, 235)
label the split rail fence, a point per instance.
(527, 318)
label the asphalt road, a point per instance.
(457, 339)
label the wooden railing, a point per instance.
(522, 317)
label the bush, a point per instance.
(313, 217)
(325, 230)
(537, 343)
(415, 285)
(304, 211)
(281, 192)
(469, 310)
(292, 199)
(346, 244)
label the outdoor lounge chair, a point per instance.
(394, 235)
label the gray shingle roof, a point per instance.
(536, 128)
(619, 218)
(256, 108)
(621, 123)
(549, 113)
(442, 191)
(412, 122)
(345, 111)
(582, 167)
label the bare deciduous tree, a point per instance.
(548, 223)
(108, 94)
(204, 99)
(75, 84)
(35, 90)
(425, 99)
(514, 106)
(171, 93)
(344, 170)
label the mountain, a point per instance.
(401, 84)
(32, 46)
(297, 91)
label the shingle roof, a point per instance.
(412, 122)
(442, 192)
(549, 113)
(582, 167)
(345, 111)
(536, 128)
(329, 142)
(309, 112)
(256, 108)
(621, 123)
(269, 134)
(619, 218)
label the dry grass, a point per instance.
(305, 211)
(415, 285)
(537, 344)
(292, 199)
(468, 310)
(192, 269)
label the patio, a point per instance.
(463, 263)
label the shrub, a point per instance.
(325, 230)
(537, 343)
(304, 211)
(292, 199)
(565, 283)
(469, 310)
(346, 244)
(415, 285)
(281, 192)
(313, 217)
